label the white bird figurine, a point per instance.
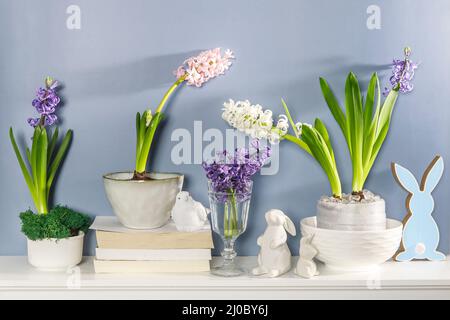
(189, 215)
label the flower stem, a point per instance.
(143, 152)
(230, 217)
(234, 218)
(169, 92)
(226, 227)
(42, 121)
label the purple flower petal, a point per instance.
(33, 121)
(50, 119)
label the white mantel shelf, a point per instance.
(413, 280)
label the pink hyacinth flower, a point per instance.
(207, 65)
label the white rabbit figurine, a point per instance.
(274, 258)
(306, 267)
(189, 215)
(420, 233)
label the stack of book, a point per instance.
(123, 250)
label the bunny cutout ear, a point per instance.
(405, 178)
(432, 175)
(289, 226)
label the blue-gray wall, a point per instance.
(121, 61)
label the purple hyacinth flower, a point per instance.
(232, 173)
(33, 121)
(50, 119)
(46, 103)
(402, 74)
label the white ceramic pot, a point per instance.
(55, 254)
(143, 204)
(356, 216)
(353, 250)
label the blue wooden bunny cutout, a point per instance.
(420, 233)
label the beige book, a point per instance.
(112, 235)
(103, 266)
(152, 254)
(179, 240)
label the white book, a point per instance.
(102, 266)
(152, 254)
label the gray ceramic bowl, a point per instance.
(142, 204)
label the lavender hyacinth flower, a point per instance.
(45, 103)
(402, 74)
(232, 173)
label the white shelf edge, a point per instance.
(424, 280)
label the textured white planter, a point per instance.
(353, 250)
(55, 254)
(356, 216)
(142, 204)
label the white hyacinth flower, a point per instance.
(283, 124)
(253, 120)
(274, 137)
(298, 127)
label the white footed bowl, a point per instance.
(353, 250)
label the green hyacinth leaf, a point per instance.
(41, 163)
(28, 154)
(58, 158)
(334, 107)
(34, 151)
(288, 115)
(138, 136)
(148, 139)
(386, 110)
(320, 152)
(358, 135)
(23, 167)
(53, 140)
(370, 100)
(320, 127)
(298, 141)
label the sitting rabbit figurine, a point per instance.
(420, 233)
(274, 258)
(306, 267)
(189, 215)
